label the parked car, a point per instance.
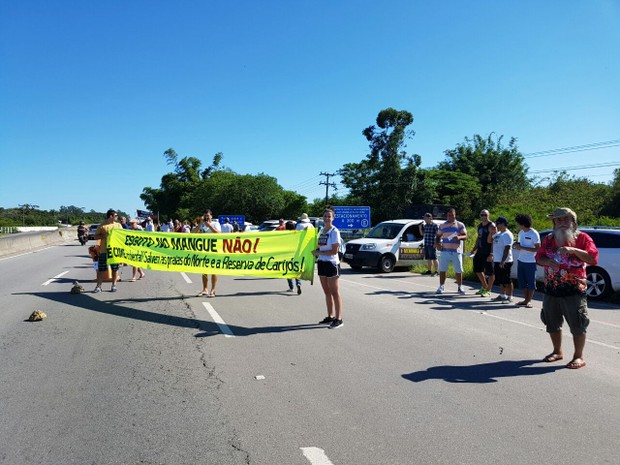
(248, 227)
(270, 225)
(91, 231)
(388, 245)
(604, 277)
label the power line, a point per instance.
(580, 167)
(576, 148)
(307, 183)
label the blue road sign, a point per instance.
(352, 217)
(239, 218)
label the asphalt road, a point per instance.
(153, 374)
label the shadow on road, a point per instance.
(484, 372)
(452, 301)
(116, 308)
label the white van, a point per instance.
(388, 245)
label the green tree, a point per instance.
(454, 188)
(613, 207)
(386, 179)
(498, 169)
(257, 197)
(176, 196)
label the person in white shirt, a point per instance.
(502, 259)
(328, 265)
(528, 243)
(227, 227)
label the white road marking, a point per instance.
(186, 278)
(218, 319)
(25, 253)
(316, 456)
(566, 334)
(602, 344)
(54, 278)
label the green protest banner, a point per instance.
(276, 254)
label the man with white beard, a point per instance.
(564, 254)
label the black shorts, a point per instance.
(328, 269)
(430, 253)
(481, 265)
(502, 275)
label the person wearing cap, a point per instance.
(527, 244)
(448, 241)
(135, 225)
(502, 260)
(101, 236)
(149, 225)
(428, 230)
(482, 254)
(564, 254)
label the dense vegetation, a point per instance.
(480, 172)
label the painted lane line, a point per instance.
(54, 278)
(484, 313)
(25, 253)
(186, 278)
(316, 456)
(590, 341)
(218, 320)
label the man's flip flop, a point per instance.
(574, 364)
(552, 358)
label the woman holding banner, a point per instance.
(328, 264)
(208, 225)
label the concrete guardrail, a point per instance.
(28, 241)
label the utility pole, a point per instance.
(326, 183)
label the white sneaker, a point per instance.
(461, 290)
(97, 289)
(440, 290)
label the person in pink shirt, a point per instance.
(564, 254)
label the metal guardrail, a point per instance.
(8, 230)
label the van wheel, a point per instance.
(386, 264)
(599, 284)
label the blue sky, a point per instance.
(93, 93)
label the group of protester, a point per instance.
(564, 255)
(326, 254)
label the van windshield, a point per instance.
(385, 231)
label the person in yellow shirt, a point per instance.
(101, 236)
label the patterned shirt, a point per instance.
(570, 279)
(430, 231)
(448, 232)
